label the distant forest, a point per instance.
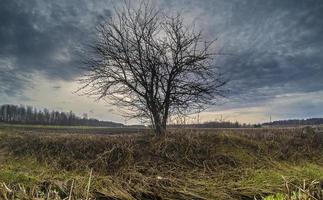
(31, 115)
(228, 124)
(214, 124)
(295, 122)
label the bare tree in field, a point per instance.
(152, 65)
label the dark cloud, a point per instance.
(45, 37)
(8, 86)
(279, 45)
(56, 87)
(276, 45)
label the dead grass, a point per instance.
(187, 164)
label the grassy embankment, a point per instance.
(200, 164)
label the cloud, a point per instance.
(42, 96)
(56, 87)
(45, 37)
(286, 106)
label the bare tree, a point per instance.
(152, 65)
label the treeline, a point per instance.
(215, 124)
(295, 122)
(31, 115)
(223, 124)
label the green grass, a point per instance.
(15, 177)
(278, 196)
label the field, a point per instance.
(38, 162)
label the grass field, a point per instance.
(38, 162)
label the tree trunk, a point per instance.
(164, 124)
(158, 129)
(159, 126)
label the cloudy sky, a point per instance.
(275, 63)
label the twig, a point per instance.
(71, 190)
(48, 192)
(88, 185)
(7, 188)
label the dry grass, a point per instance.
(187, 164)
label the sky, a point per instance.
(274, 61)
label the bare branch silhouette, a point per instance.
(152, 65)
